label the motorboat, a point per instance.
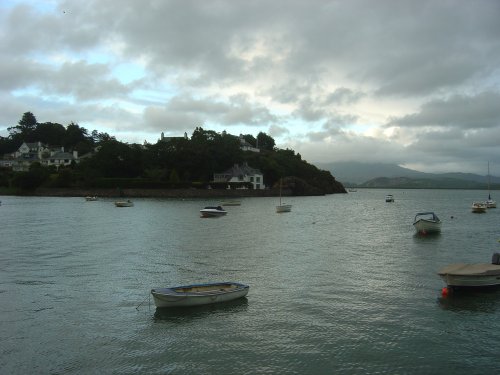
(127, 203)
(389, 198)
(212, 211)
(427, 222)
(198, 294)
(91, 198)
(478, 207)
(472, 275)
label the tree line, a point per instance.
(176, 162)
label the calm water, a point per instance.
(339, 285)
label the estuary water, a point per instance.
(340, 285)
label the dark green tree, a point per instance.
(24, 128)
(49, 133)
(265, 142)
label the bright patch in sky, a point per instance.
(334, 81)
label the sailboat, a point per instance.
(282, 206)
(490, 203)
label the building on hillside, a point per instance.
(242, 173)
(245, 146)
(29, 153)
(168, 139)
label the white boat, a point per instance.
(478, 207)
(490, 203)
(212, 211)
(198, 294)
(389, 198)
(91, 198)
(427, 222)
(127, 203)
(230, 203)
(472, 275)
(283, 207)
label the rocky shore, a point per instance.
(157, 193)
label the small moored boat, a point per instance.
(198, 294)
(283, 207)
(472, 275)
(230, 203)
(212, 211)
(490, 203)
(91, 198)
(427, 222)
(127, 203)
(478, 207)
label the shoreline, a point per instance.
(151, 193)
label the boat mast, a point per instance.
(280, 191)
(489, 192)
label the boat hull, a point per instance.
(471, 275)
(284, 208)
(213, 213)
(427, 226)
(491, 204)
(478, 208)
(231, 203)
(124, 204)
(198, 294)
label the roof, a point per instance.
(243, 170)
(61, 155)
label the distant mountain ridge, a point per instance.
(392, 175)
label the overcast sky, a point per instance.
(416, 83)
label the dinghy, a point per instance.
(198, 294)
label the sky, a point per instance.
(414, 83)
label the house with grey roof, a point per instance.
(31, 152)
(241, 173)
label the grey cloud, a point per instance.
(466, 112)
(343, 95)
(186, 113)
(323, 62)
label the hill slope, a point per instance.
(392, 175)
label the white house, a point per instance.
(29, 153)
(242, 173)
(245, 146)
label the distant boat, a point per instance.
(351, 190)
(127, 203)
(389, 198)
(91, 198)
(478, 207)
(230, 203)
(490, 203)
(198, 294)
(212, 211)
(427, 222)
(282, 207)
(472, 275)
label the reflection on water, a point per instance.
(340, 285)
(183, 314)
(485, 300)
(419, 236)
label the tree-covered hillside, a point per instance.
(170, 163)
